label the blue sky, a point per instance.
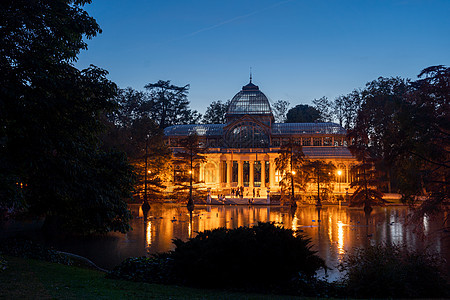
(298, 50)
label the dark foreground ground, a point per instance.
(34, 279)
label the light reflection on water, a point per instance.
(333, 230)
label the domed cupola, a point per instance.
(249, 101)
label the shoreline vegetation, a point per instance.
(26, 278)
(200, 268)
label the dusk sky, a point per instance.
(298, 50)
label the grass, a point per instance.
(34, 279)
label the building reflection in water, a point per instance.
(333, 230)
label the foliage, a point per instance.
(28, 249)
(345, 108)
(323, 106)
(291, 158)
(3, 263)
(50, 158)
(215, 112)
(260, 256)
(365, 194)
(186, 161)
(168, 105)
(323, 174)
(391, 271)
(130, 130)
(155, 269)
(302, 113)
(422, 147)
(279, 109)
(377, 118)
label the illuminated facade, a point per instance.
(242, 152)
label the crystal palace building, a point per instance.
(242, 152)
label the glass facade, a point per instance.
(257, 174)
(246, 173)
(234, 172)
(247, 135)
(267, 173)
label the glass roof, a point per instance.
(200, 129)
(307, 128)
(250, 100)
(313, 152)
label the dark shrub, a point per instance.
(386, 271)
(260, 256)
(155, 269)
(28, 249)
(263, 257)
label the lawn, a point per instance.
(28, 278)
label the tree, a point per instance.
(131, 131)
(185, 161)
(168, 104)
(366, 179)
(51, 163)
(290, 163)
(324, 107)
(345, 108)
(280, 109)
(302, 113)
(215, 112)
(377, 118)
(322, 173)
(422, 148)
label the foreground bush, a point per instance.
(386, 271)
(25, 248)
(261, 257)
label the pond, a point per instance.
(333, 230)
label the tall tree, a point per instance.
(324, 106)
(185, 164)
(345, 108)
(422, 141)
(50, 160)
(290, 164)
(365, 174)
(302, 113)
(322, 174)
(377, 118)
(280, 109)
(168, 104)
(215, 112)
(133, 132)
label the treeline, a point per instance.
(74, 147)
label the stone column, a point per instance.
(252, 173)
(229, 169)
(271, 174)
(240, 173)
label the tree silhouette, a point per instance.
(186, 158)
(168, 105)
(323, 174)
(290, 164)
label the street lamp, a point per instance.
(145, 205)
(292, 186)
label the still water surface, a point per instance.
(332, 229)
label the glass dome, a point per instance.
(249, 101)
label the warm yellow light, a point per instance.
(339, 172)
(293, 172)
(190, 172)
(149, 171)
